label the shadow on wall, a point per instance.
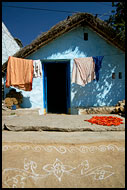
(26, 103)
(105, 92)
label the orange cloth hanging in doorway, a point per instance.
(19, 73)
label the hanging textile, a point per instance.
(98, 62)
(83, 71)
(19, 73)
(37, 68)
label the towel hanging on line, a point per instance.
(37, 68)
(19, 73)
(83, 71)
(98, 62)
(86, 69)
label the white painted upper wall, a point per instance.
(9, 45)
(106, 91)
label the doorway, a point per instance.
(57, 87)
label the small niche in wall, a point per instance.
(113, 75)
(85, 36)
(120, 75)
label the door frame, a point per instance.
(68, 98)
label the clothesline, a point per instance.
(18, 68)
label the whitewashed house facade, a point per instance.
(81, 35)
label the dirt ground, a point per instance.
(50, 159)
(92, 165)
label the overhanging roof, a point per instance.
(78, 19)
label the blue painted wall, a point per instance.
(106, 91)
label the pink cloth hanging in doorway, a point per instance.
(83, 71)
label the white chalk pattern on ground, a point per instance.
(57, 169)
(63, 149)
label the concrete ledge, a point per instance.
(54, 122)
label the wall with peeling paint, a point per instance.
(106, 91)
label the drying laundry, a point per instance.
(83, 71)
(37, 68)
(98, 62)
(19, 73)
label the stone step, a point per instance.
(56, 122)
(21, 111)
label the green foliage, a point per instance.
(117, 20)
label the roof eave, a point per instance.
(79, 19)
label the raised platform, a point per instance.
(55, 122)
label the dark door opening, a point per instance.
(56, 87)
